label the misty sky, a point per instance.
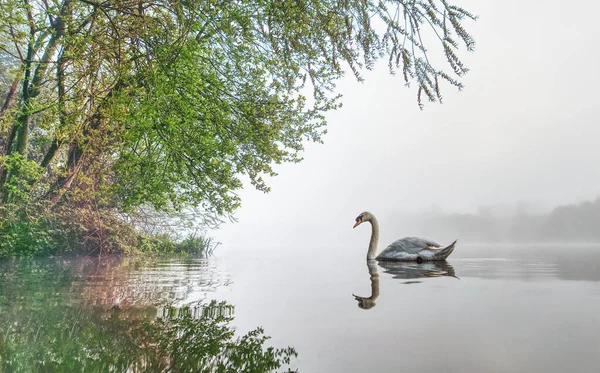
(525, 128)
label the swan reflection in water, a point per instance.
(410, 271)
(368, 303)
(413, 271)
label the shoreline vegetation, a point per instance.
(37, 231)
(117, 115)
(40, 233)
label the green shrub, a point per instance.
(30, 233)
(38, 231)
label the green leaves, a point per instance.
(29, 233)
(202, 121)
(171, 104)
(19, 188)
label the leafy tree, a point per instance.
(129, 103)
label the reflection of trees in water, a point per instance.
(134, 282)
(197, 312)
(578, 264)
(47, 325)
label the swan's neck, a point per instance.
(374, 238)
(372, 265)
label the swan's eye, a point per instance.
(359, 217)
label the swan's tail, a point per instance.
(445, 252)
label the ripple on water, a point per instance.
(115, 282)
(494, 268)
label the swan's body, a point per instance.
(404, 249)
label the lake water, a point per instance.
(489, 308)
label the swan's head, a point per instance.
(363, 217)
(365, 303)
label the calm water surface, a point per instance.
(489, 308)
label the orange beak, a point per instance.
(357, 223)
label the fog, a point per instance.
(519, 140)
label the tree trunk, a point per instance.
(19, 129)
(61, 111)
(74, 161)
(11, 96)
(74, 165)
(4, 170)
(50, 153)
(31, 89)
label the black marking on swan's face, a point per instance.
(361, 219)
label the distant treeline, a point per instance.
(573, 223)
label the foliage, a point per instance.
(44, 326)
(28, 170)
(30, 234)
(164, 244)
(38, 231)
(119, 106)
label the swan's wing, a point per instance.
(411, 245)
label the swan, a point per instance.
(404, 249)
